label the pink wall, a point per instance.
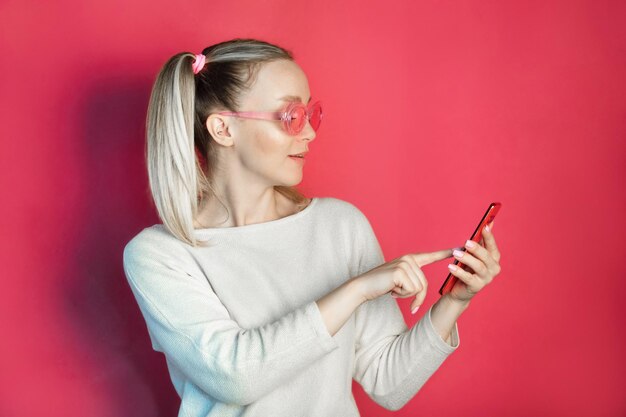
(433, 110)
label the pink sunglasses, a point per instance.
(293, 117)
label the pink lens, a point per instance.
(296, 118)
(315, 115)
(298, 114)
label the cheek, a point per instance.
(271, 146)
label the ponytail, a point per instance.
(175, 175)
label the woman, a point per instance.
(265, 302)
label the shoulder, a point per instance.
(152, 242)
(350, 225)
(333, 205)
(342, 211)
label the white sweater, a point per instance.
(241, 331)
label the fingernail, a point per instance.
(458, 253)
(394, 295)
(415, 310)
(487, 228)
(451, 267)
(470, 244)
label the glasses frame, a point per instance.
(283, 116)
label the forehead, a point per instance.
(276, 82)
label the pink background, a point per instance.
(433, 110)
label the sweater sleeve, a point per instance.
(188, 323)
(393, 362)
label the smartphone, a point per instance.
(490, 214)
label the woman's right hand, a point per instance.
(402, 276)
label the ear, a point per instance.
(219, 129)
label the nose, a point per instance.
(308, 132)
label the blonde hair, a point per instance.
(180, 154)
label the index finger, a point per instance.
(430, 257)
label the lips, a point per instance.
(299, 155)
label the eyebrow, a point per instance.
(293, 98)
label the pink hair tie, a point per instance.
(199, 63)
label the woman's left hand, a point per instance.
(484, 264)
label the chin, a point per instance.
(290, 182)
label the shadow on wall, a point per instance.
(131, 377)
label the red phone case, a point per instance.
(490, 214)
